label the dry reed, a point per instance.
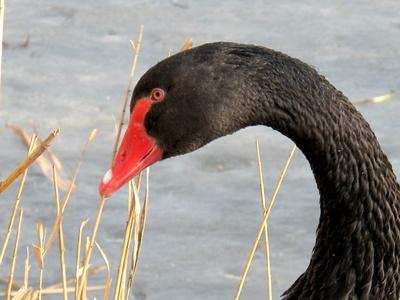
(45, 164)
(375, 99)
(28, 161)
(136, 223)
(40, 251)
(78, 270)
(16, 203)
(267, 257)
(1, 39)
(103, 198)
(14, 258)
(108, 284)
(43, 247)
(140, 219)
(60, 237)
(266, 214)
(26, 270)
(136, 50)
(39, 254)
(187, 45)
(66, 198)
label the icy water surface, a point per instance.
(204, 209)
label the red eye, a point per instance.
(157, 94)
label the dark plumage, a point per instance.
(216, 89)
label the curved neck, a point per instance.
(344, 153)
(358, 235)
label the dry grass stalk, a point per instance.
(1, 39)
(130, 194)
(130, 188)
(375, 100)
(43, 162)
(66, 198)
(78, 270)
(16, 204)
(266, 214)
(46, 165)
(267, 256)
(108, 284)
(70, 290)
(102, 201)
(14, 258)
(187, 45)
(39, 254)
(28, 161)
(26, 270)
(23, 294)
(91, 271)
(60, 237)
(139, 231)
(133, 214)
(138, 181)
(29, 294)
(121, 122)
(136, 222)
(15, 285)
(85, 275)
(88, 253)
(41, 250)
(53, 289)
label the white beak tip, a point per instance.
(107, 177)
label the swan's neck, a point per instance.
(357, 248)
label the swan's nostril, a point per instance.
(123, 157)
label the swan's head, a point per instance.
(179, 105)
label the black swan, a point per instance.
(196, 96)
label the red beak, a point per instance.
(137, 151)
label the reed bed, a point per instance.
(135, 225)
(79, 283)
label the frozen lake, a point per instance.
(204, 209)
